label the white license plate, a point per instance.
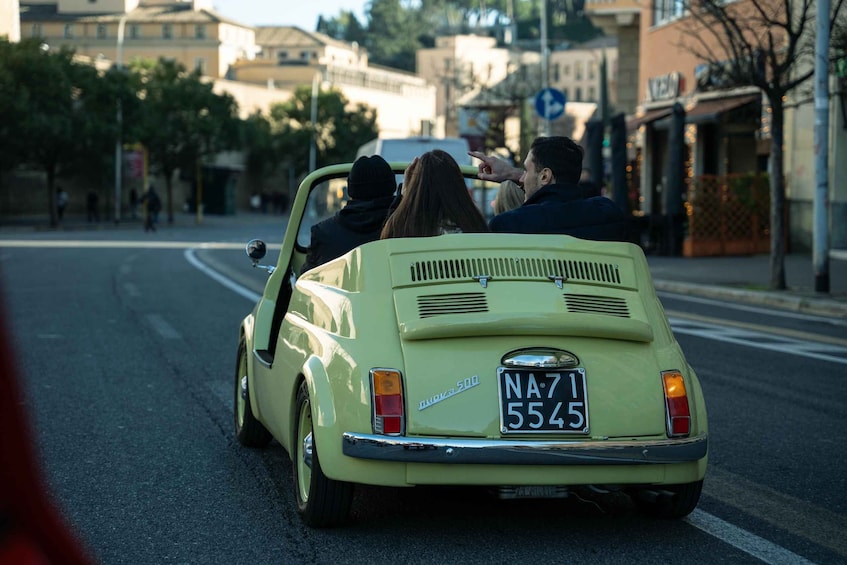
(536, 401)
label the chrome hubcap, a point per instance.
(307, 450)
(244, 387)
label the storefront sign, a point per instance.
(664, 87)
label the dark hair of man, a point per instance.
(559, 154)
(434, 196)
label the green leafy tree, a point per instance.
(257, 141)
(397, 39)
(181, 120)
(339, 129)
(770, 46)
(53, 121)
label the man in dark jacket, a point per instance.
(554, 201)
(370, 188)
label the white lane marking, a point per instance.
(165, 330)
(747, 542)
(230, 284)
(788, 513)
(757, 310)
(759, 340)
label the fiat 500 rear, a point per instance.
(533, 365)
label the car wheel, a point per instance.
(249, 431)
(668, 501)
(321, 502)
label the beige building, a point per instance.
(457, 66)
(576, 70)
(621, 19)
(10, 20)
(190, 32)
(289, 57)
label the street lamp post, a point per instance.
(119, 119)
(314, 117)
(544, 60)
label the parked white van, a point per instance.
(404, 149)
(407, 148)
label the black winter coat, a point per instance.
(360, 221)
(560, 208)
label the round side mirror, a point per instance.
(256, 249)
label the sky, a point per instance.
(301, 13)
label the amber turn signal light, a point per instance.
(678, 415)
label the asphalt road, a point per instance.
(127, 352)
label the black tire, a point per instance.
(321, 502)
(249, 431)
(668, 501)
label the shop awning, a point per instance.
(648, 117)
(711, 110)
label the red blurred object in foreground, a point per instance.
(31, 529)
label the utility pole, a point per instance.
(545, 82)
(313, 148)
(820, 244)
(119, 57)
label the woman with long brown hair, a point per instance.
(435, 200)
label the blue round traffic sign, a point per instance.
(550, 103)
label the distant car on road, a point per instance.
(535, 365)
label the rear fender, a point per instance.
(324, 415)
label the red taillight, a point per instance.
(676, 404)
(387, 387)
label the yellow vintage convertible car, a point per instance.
(534, 365)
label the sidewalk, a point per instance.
(747, 279)
(741, 279)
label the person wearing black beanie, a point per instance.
(370, 188)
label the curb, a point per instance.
(797, 303)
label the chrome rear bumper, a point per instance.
(530, 452)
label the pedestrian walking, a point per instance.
(152, 206)
(61, 202)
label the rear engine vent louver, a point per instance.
(505, 267)
(457, 303)
(586, 304)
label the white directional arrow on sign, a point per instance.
(552, 107)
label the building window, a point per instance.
(134, 31)
(199, 32)
(567, 70)
(37, 30)
(200, 65)
(565, 92)
(304, 55)
(281, 57)
(578, 94)
(167, 31)
(556, 72)
(592, 94)
(666, 10)
(578, 71)
(102, 31)
(69, 31)
(592, 70)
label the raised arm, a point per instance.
(496, 169)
